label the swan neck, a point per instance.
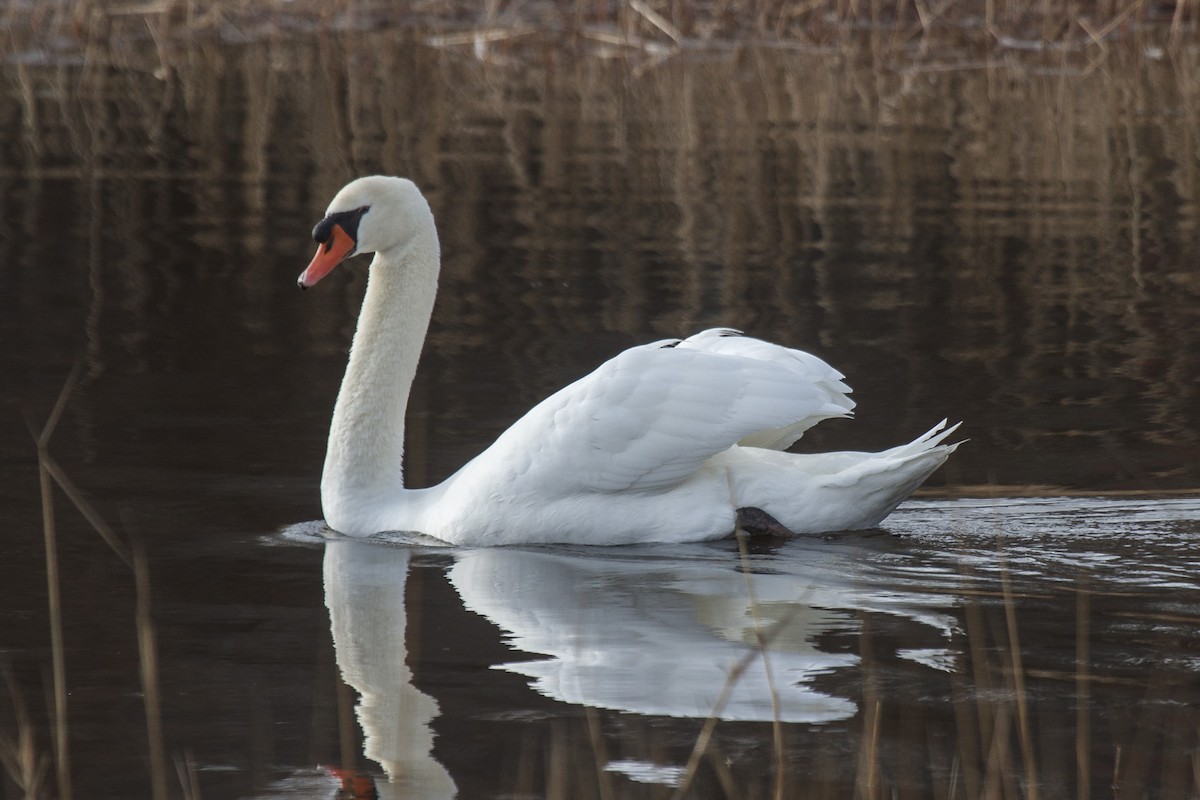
(363, 465)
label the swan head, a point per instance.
(368, 215)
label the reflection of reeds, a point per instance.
(24, 762)
(19, 755)
(762, 640)
(993, 744)
(763, 637)
(1083, 718)
(148, 663)
(1040, 213)
(185, 770)
(62, 758)
(1025, 735)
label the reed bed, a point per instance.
(632, 27)
(20, 754)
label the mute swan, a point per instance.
(672, 441)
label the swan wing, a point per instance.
(827, 382)
(650, 417)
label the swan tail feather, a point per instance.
(835, 491)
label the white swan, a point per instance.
(667, 442)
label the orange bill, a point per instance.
(329, 255)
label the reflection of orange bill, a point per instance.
(329, 255)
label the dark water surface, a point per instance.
(1006, 244)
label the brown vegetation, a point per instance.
(646, 27)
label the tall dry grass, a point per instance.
(650, 27)
(19, 756)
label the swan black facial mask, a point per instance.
(337, 239)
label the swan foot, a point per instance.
(757, 522)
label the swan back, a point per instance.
(825, 383)
(649, 418)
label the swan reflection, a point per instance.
(659, 631)
(648, 630)
(364, 591)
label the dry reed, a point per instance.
(62, 757)
(19, 754)
(648, 27)
(20, 759)
(763, 637)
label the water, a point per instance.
(1011, 245)
(889, 656)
